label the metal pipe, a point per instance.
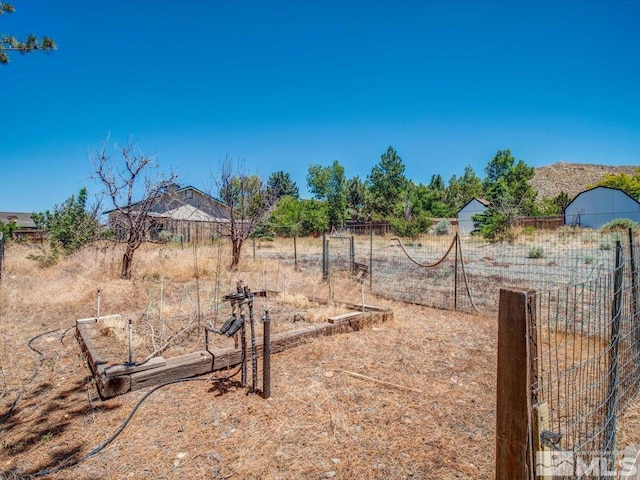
(266, 355)
(130, 341)
(98, 312)
(254, 352)
(243, 340)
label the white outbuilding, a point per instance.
(599, 205)
(473, 207)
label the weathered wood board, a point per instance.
(117, 378)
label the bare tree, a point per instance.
(248, 201)
(125, 171)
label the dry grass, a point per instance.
(320, 421)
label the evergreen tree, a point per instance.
(386, 183)
(356, 199)
(280, 184)
(507, 187)
(31, 43)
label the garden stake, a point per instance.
(254, 352)
(243, 339)
(130, 341)
(266, 355)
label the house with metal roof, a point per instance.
(183, 213)
(25, 226)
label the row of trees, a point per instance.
(386, 194)
(274, 207)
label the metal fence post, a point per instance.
(635, 320)
(352, 255)
(371, 260)
(614, 358)
(455, 273)
(325, 257)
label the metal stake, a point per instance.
(266, 355)
(130, 341)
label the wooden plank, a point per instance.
(184, 366)
(114, 386)
(343, 317)
(125, 369)
(117, 379)
(107, 387)
(513, 387)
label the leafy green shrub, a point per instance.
(410, 228)
(535, 252)
(442, 227)
(165, 236)
(605, 245)
(47, 257)
(589, 260)
(620, 224)
(71, 225)
(264, 232)
(529, 231)
(8, 228)
(495, 226)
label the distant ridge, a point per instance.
(572, 178)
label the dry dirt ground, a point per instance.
(433, 418)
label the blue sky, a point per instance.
(284, 84)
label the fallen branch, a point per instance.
(167, 344)
(389, 384)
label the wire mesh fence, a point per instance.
(586, 359)
(1, 253)
(468, 277)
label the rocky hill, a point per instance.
(572, 178)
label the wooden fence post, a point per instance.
(513, 388)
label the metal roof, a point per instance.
(22, 219)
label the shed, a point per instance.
(599, 205)
(473, 207)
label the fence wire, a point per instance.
(469, 277)
(586, 339)
(473, 274)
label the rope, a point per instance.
(464, 277)
(422, 264)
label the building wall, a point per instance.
(465, 215)
(598, 206)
